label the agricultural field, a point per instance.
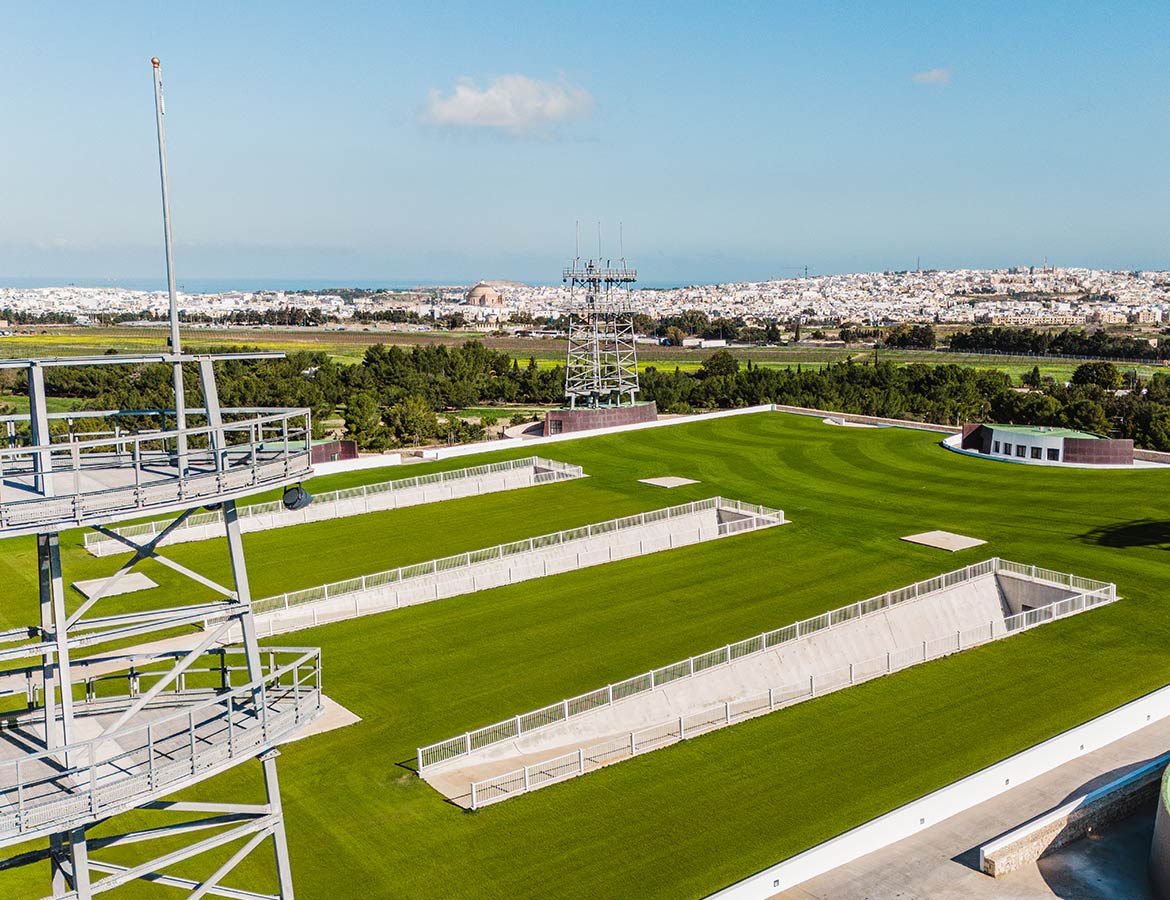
(350, 345)
(684, 821)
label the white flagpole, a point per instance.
(180, 400)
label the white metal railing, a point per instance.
(210, 729)
(752, 513)
(138, 469)
(586, 759)
(546, 470)
(512, 728)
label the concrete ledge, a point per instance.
(1073, 820)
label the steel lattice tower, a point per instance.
(107, 711)
(602, 365)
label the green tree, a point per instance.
(363, 423)
(411, 420)
(1087, 415)
(721, 362)
(1102, 374)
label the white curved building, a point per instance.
(1041, 445)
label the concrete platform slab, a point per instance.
(944, 540)
(668, 481)
(333, 716)
(127, 584)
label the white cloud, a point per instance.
(932, 76)
(514, 104)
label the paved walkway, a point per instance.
(941, 863)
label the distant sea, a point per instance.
(222, 285)
(219, 285)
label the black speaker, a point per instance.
(296, 498)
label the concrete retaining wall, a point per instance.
(1073, 820)
(896, 630)
(393, 459)
(866, 420)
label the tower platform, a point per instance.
(120, 467)
(83, 740)
(181, 737)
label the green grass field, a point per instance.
(684, 821)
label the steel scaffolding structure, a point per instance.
(602, 365)
(102, 724)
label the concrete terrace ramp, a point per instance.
(875, 637)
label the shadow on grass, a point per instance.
(1142, 533)
(459, 801)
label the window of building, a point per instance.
(1021, 450)
(1053, 454)
(1007, 449)
(1036, 453)
(995, 449)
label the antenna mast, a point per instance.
(602, 365)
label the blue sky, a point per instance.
(450, 142)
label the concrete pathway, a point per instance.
(941, 863)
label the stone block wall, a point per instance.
(563, 421)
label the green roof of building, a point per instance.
(1046, 431)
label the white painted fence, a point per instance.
(587, 758)
(396, 494)
(512, 728)
(536, 557)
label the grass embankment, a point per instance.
(683, 821)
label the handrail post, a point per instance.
(19, 796)
(92, 779)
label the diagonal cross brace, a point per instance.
(180, 667)
(149, 870)
(141, 552)
(149, 551)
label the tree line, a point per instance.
(1069, 342)
(392, 398)
(1095, 400)
(399, 396)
